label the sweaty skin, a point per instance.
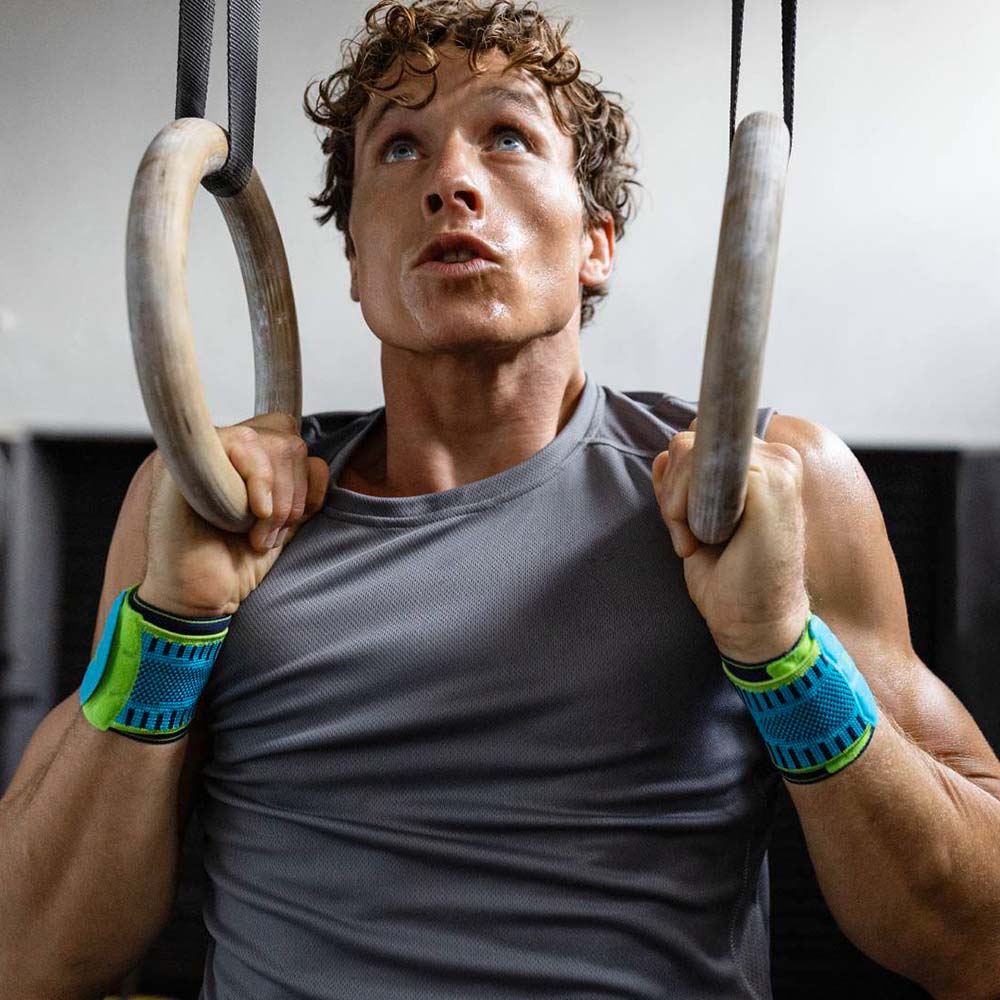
(479, 372)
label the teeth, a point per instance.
(457, 256)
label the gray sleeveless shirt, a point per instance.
(479, 743)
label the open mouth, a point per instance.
(458, 265)
(457, 254)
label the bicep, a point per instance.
(855, 587)
(125, 565)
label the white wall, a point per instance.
(887, 301)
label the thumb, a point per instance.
(659, 467)
(319, 483)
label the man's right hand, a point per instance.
(194, 569)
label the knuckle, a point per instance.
(280, 444)
(273, 444)
(792, 465)
(787, 453)
(253, 423)
(237, 434)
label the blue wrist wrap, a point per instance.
(812, 706)
(149, 670)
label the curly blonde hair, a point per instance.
(598, 125)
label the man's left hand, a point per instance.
(751, 590)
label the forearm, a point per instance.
(88, 859)
(907, 853)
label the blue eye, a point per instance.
(501, 130)
(392, 144)
(505, 130)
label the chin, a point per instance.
(455, 326)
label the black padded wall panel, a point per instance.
(93, 477)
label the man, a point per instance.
(470, 734)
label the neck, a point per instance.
(452, 419)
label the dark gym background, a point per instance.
(59, 498)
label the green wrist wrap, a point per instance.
(145, 680)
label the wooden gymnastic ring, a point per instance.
(160, 320)
(737, 326)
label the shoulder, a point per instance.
(812, 441)
(841, 508)
(833, 482)
(851, 571)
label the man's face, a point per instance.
(485, 158)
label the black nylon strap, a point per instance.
(788, 25)
(194, 53)
(735, 51)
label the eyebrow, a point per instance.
(502, 95)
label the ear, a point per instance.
(598, 248)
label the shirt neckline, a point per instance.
(526, 475)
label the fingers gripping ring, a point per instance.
(160, 319)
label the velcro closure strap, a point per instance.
(146, 679)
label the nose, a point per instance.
(451, 186)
